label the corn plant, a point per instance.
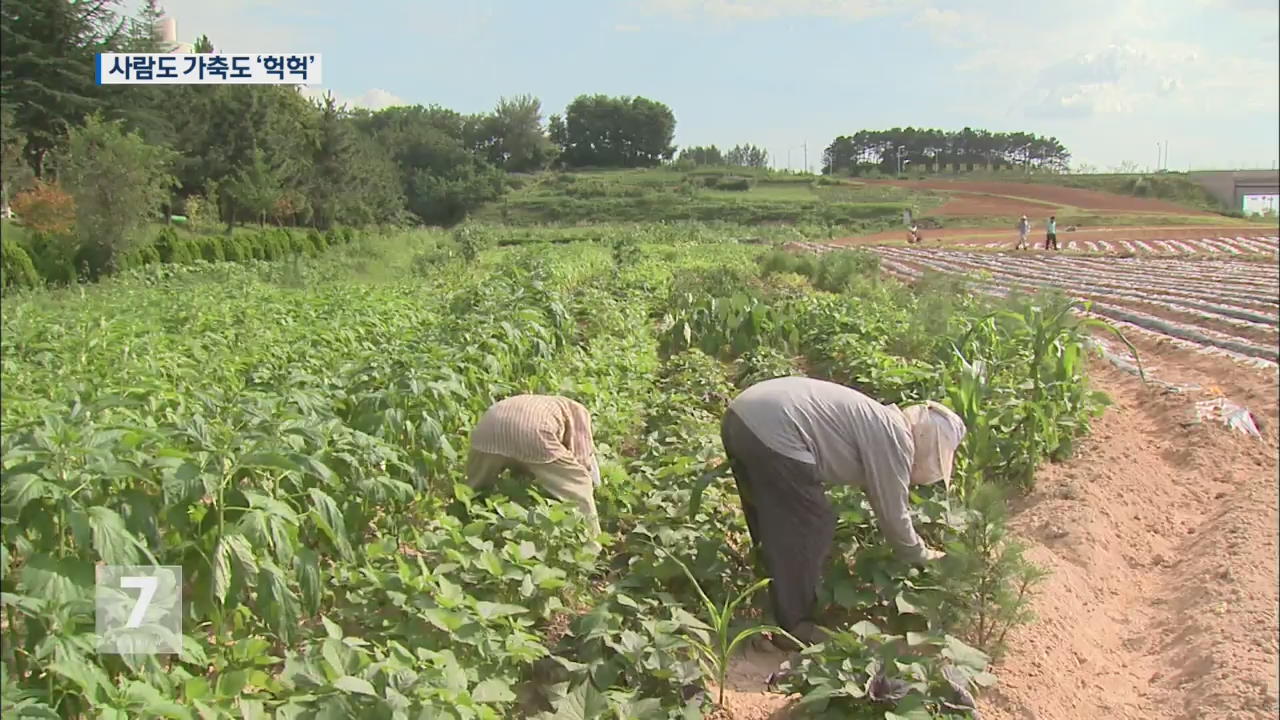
(716, 651)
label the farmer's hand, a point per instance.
(931, 554)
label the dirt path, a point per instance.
(1161, 540)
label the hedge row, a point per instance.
(36, 262)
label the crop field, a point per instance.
(1245, 241)
(1220, 245)
(292, 437)
(1218, 307)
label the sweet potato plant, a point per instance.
(294, 439)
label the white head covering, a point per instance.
(936, 431)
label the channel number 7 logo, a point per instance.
(138, 609)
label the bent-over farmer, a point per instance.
(547, 435)
(788, 438)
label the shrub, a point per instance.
(202, 211)
(54, 257)
(210, 247)
(734, 183)
(836, 270)
(140, 255)
(118, 182)
(16, 268)
(236, 249)
(46, 208)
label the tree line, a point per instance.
(271, 154)
(738, 156)
(941, 151)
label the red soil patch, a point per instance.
(1027, 195)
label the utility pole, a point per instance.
(806, 156)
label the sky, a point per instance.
(1109, 78)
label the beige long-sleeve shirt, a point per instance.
(536, 429)
(851, 438)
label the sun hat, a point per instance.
(936, 431)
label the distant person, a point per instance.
(547, 435)
(1024, 229)
(915, 234)
(789, 439)
(1051, 234)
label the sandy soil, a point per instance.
(1031, 194)
(1161, 540)
(955, 236)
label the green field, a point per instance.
(290, 433)
(670, 195)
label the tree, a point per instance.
(47, 60)
(512, 136)
(227, 124)
(15, 174)
(699, 155)
(442, 177)
(119, 182)
(747, 156)
(615, 132)
(203, 45)
(938, 149)
(255, 189)
(332, 164)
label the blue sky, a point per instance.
(1109, 78)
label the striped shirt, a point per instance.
(536, 429)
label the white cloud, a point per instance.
(1116, 79)
(626, 28)
(374, 99)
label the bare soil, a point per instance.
(1032, 194)
(1161, 540)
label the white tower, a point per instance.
(167, 32)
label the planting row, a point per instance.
(1216, 307)
(1171, 301)
(294, 446)
(1234, 245)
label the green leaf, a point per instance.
(444, 619)
(488, 610)
(222, 569)
(904, 606)
(58, 580)
(584, 703)
(91, 680)
(111, 539)
(153, 702)
(966, 655)
(492, 691)
(307, 570)
(328, 518)
(276, 602)
(864, 629)
(353, 684)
